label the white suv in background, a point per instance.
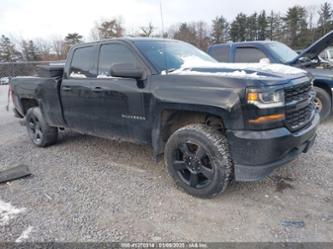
(4, 81)
(327, 55)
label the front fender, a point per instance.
(221, 103)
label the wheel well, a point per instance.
(323, 85)
(28, 103)
(172, 120)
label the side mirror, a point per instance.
(303, 59)
(127, 70)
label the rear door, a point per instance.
(78, 99)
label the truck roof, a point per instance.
(242, 43)
(127, 39)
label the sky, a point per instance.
(31, 19)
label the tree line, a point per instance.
(297, 28)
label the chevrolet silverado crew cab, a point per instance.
(213, 122)
(275, 52)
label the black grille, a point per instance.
(297, 92)
(298, 119)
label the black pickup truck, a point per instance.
(213, 123)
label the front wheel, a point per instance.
(322, 103)
(40, 133)
(198, 159)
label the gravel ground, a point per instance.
(92, 189)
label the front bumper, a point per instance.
(257, 153)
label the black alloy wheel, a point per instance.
(193, 166)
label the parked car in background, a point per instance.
(276, 52)
(327, 56)
(4, 81)
(212, 123)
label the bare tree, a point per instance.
(59, 49)
(147, 31)
(186, 32)
(202, 38)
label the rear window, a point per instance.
(249, 55)
(220, 53)
(84, 63)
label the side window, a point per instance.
(111, 54)
(84, 63)
(249, 55)
(221, 53)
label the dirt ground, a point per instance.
(92, 189)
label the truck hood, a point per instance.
(319, 73)
(254, 71)
(315, 48)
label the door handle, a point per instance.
(97, 89)
(66, 88)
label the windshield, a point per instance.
(283, 52)
(171, 55)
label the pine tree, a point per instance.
(8, 52)
(70, 40)
(220, 29)
(262, 26)
(110, 29)
(30, 51)
(275, 26)
(73, 38)
(296, 27)
(252, 27)
(325, 22)
(238, 28)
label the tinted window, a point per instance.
(249, 55)
(84, 63)
(220, 53)
(114, 53)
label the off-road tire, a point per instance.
(215, 145)
(40, 133)
(323, 99)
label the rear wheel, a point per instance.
(198, 159)
(40, 133)
(322, 103)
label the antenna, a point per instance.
(162, 20)
(162, 36)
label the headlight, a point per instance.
(265, 99)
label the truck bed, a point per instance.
(41, 91)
